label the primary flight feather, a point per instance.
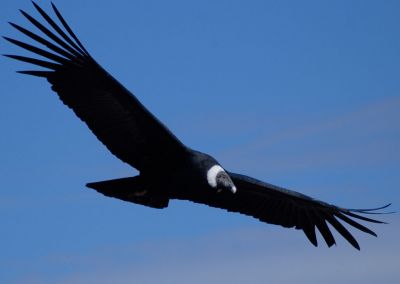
(168, 169)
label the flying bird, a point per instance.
(168, 169)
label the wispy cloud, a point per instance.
(250, 255)
(366, 134)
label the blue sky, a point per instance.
(303, 94)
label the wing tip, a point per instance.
(7, 38)
(42, 74)
(373, 210)
(90, 185)
(331, 244)
(23, 13)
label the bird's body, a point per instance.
(189, 177)
(168, 168)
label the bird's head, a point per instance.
(218, 179)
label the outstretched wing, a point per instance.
(276, 205)
(113, 114)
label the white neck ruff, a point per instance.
(212, 175)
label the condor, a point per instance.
(168, 168)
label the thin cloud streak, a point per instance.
(348, 132)
(378, 109)
(250, 255)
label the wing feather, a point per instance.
(323, 229)
(114, 114)
(51, 35)
(291, 209)
(58, 29)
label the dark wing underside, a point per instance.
(113, 114)
(275, 205)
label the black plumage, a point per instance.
(168, 169)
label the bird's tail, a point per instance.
(131, 189)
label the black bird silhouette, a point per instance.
(168, 169)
